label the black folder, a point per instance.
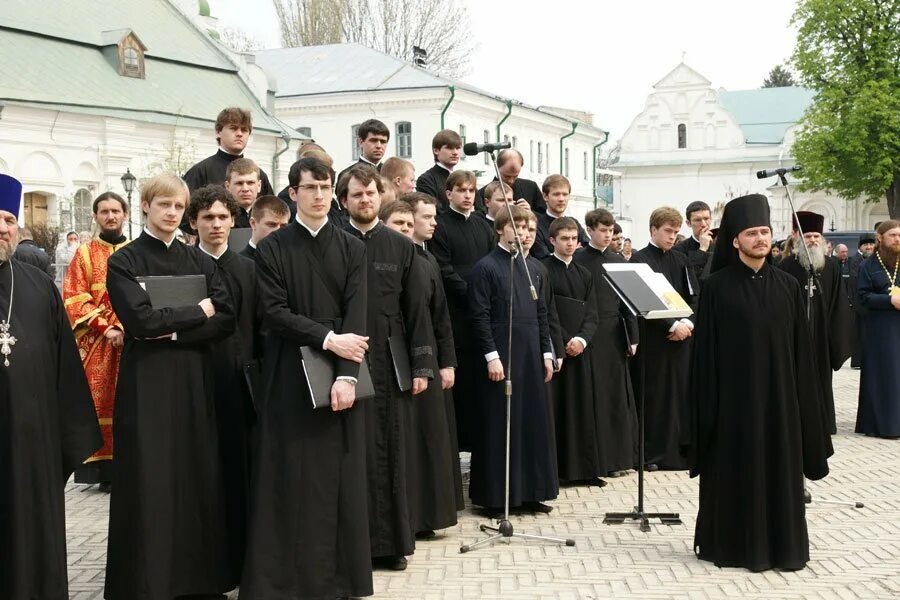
(400, 356)
(173, 291)
(318, 368)
(571, 314)
(637, 291)
(239, 238)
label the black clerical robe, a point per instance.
(167, 509)
(28, 252)
(48, 426)
(533, 474)
(309, 526)
(396, 306)
(856, 308)
(829, 325)
(249, 251)
(666, 363)
(697, 258)
(242, 220)
(212, 170)
(434, 183)
(542, 247)
(615, 417)
(360, 161)
(459, 242)
(757, 424)
(879, 386)
(234, 361)
(578, 412)
(435, 480)
(521, 188)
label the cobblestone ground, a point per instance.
(855, 552)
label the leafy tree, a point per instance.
(779, 77)
(848, 51)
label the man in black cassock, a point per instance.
(699, 247)
(211, 212)
(865, 248)
(510, 163)
(757, 422)
(460, 240)
(533, 475)
(48, 424)
(396, 309)
(167, 537)
(233, 128)
(556, 191)
(243, 183)
(829, 313)
(372, 136)
(445, 146)
(269, 214)
(613, 426)
(435, 490)
(575, 404)
(309, 526)
(666, 349)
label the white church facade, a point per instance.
(692, 142)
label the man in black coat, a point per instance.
(510, 163)
(27, 251)
(373, 137)
(699, 247)
(445, 146)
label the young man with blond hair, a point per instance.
(400, 173)
(243, 183)
(666, 349)
(556, 191)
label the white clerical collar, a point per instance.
(214, 256)
(150, 233)
(366, 160)
(565, 261)
(445, 167)
(230, 153)
(489, 218)
(252, 244)
(694, 237)
(595, 247)
(420, 244)
(371, 227)
(312, 232)
(554, 215)
(657, 247)
(466, 215)
(502, 246)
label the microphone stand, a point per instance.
(812, 283)
(504, 528)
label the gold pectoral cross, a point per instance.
(6, 342)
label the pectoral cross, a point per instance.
(6, 342)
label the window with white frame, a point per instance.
(531, 155)
(566, 163)
(585, 166)
(462, 136)
(540, 168)
(404, 139)
(487, 140)
(515, 142)
(354, 141)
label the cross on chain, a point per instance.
(6, 341)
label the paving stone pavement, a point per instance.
(854, 553)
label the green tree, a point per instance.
(779, 77)
(848, 51)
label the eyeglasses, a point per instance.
(314, 188)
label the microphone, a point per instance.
(780, 171)
(472, 148)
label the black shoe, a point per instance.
(537, 507)
(425, 535)
(617, 474)
(392, 563)
(491, 512)
(651, 467)
(105, 487)
(595, 482)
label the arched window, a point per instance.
(404, 139)
(682, 135)
(354, 141)
(82, 215)
(531, 155)
(462, 136)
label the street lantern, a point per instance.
(128, 181)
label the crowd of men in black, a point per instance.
(227, 473)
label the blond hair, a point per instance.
(164, 184)
(665, 215)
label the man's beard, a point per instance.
(816, 253)
(364, 217)
(890, 256)
(5, 252)
(111, 233)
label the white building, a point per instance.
(326, 91)
(90, 89)
(692, 142)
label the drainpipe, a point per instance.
(596, 150)
(286, 138)
(570, 134)
(505, 117)
(446, 106)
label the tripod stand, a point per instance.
(504, 528)
(812, 284)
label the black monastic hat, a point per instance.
(810, 222)
(866, 238)
(740, 214)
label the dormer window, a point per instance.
(132, 59)
(131, 56)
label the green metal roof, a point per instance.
(766, 114)
(52, 55)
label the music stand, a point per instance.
(644, 301)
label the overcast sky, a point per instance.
(597, 55)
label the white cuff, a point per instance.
(674, 326)
(687, 323)
(325, 343)
(346, 378)
(634, 349)
(581, 341)
(174, 336)
(492, 356)
(548, 355)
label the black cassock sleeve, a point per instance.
(558, 337)
(440, 247)
(416, 317)
(816, 438)
(546, 317)
(78, 425)
(223, 323)
(481, 283)
(591, 317)
(426, 184)
(440, 319)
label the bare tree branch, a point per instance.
(309, 22)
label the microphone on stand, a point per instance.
(473, 148)
(765, 174)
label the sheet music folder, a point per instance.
(318, 368)
(172, 291)
(400, 358)
(649, 293)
